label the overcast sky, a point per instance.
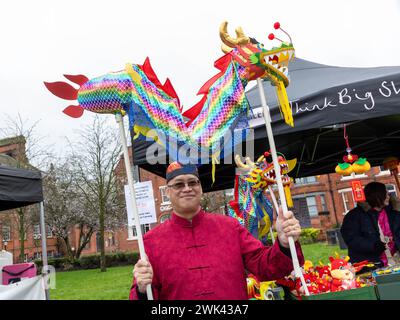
(42, 40)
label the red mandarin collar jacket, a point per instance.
(207, 258)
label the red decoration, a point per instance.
(148, 70)
(350, 158)
(271, 36)
(74, 111)
(277, 25)
(78, 79)
(62, 90)
(357, 189)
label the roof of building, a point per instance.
(12, 140)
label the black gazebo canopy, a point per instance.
(19, 187)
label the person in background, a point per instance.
(197, 255)
(371, 230)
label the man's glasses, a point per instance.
(181, 185)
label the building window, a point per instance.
(50, 254)
(145, 228)
(391, 189)
(312, 207)
(164, 197)
(25, 257)
(306, 180)
(165, 217)
(87, 245)
(383, 172)
(110, 241)
(6, 233)
(37, 256)
(347, 198)
(49, 231)
(323, 203)
(36, 232)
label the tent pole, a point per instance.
(267, 118)
(118, 118)
(44, 248)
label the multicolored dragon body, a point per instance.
(251, 207)
(154, 108)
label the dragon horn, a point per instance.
(240, 39)
(261, 158)
(291, 164)
(250, 163)
(225, 48)
(240, 164)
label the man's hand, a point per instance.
(287, 226)
(143, 273)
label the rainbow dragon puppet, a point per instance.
(251, 206)
(154, 108)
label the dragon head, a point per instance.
(262, 173)
(259, 62)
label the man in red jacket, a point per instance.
(198, 255)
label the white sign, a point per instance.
(26, 289)
(144, 201)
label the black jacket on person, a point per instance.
(361, 234)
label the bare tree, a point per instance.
(32, 153)
(63, 204)
(96, 155)
(213, 201)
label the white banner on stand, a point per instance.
(26, 289)
(145, 203)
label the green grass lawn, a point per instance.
(114, 284)
(321, 252)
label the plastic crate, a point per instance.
(364, 293)
(388, 286)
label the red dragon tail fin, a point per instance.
(65, 91)
(78, 79)
(62, 90)
(74, 111)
